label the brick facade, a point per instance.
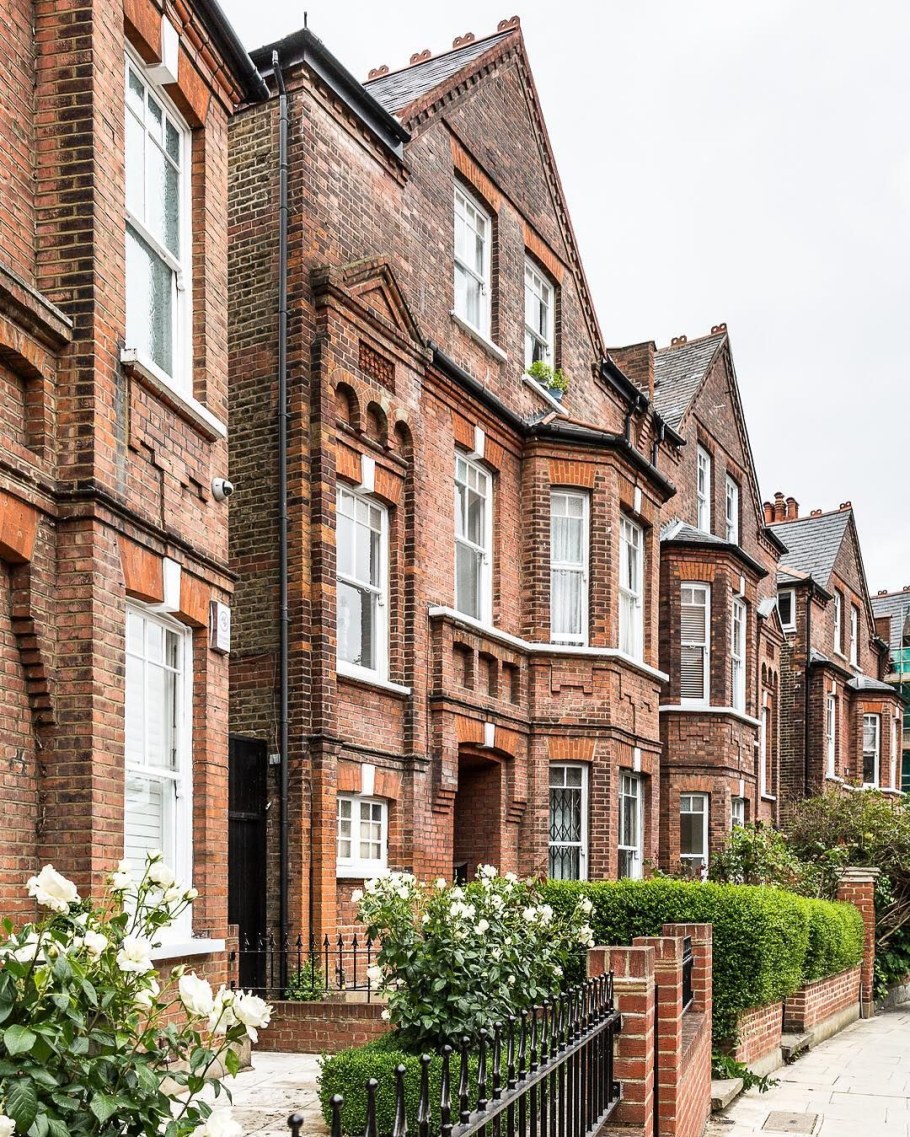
(105, 478)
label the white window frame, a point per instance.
(763, 752)
(873, 720)
(895, 742)
(737, 811)
(635, 801)
(731, 508)
(380, 591)
(854, 635)
(706, 831)
(831, 735)
(538, 285)
(738, 639)
(703, 489)
(631, 589)
(357, 866)
(838, 622)
(181, 376)
(485, 583)
(464, 204)
(581, 845)
(788, 626)
(177, 843)
(705, 645)
(582, 568)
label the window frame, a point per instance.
(360, 867)
(787, 625)
(763, 751)
(583, 569)
(637, 850)
(549, 340)
(380, 591)
(702, 492)
(895, 737)
(180, 379)
(872, 719)
(831, 735)
(178, 848)
(738, 652)
(635, 594)
(583, 844)
(854, 636)
(731, 517)
(485, 580)
(838, 621)
(737, 811)
(484, 329)
(706, 829)
(705, 699)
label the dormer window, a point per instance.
(473, 232)
(539, 318)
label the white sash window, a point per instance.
(361, 558)
(568, 567)
(631, 588)
(695, 644)
(473, 540)
(472, 263)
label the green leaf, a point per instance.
(231, 1062)
(103, 1106)
(18, 1040)
(56, 1128)
(40, 1126)
(22, 1103)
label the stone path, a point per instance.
(856, 1084)
(277, 1086)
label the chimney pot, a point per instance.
(769, 512)
(792, 509)
(780, 509)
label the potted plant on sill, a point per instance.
(555, 382)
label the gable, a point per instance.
(848, 566)
(372, 285)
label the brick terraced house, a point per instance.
(841, 722)
(113, 412)
(720, 637)
(472, 635)
(892, 622)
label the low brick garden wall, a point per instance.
(759, 1031)
(321, 1027)
(824, 999)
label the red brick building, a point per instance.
(841, 722)
(473, 561)
(113, 411)
(720, 638)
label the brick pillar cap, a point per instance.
(858, 874)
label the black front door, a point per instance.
(248, 799)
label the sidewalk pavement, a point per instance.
(277, 1086)
(854, 1085)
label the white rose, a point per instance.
(161, 874)
(425, 919)
(481, 926)
(496, 953)
(487, 871)
(28, 950)
(529, 915)
(52, 890)
(511, 878)
(441, 883)
(586, 935)
(222, 1016)
(253, 1012)
(384, 1015)
(190, 895)
(148, 995)
(371, 885)
(374, 973)
(219, 1124)
(96, 943)
(135, 955)
(545, 912)
(121, 882)
(357, 896)
(196, 995)
(124, 866)
(511, 981)
(404, 892)
(7, 1126)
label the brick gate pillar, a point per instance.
(857, 885)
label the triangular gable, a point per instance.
(851, 548)
(372, 284)
(506, 44)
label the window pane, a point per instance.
(134, 725)
(692, 679)
(356, 625)
(467, 580)
(567, 602)
(691, 834)
(145, 825)
(149, 302)
(163, 213)
(135, 166)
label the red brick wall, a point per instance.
(759, 1031)
(815, 1002)
(316, 1028)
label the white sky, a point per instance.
(745, 161)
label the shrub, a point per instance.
(764, 938)
(544, 374)
(306, 985)
(453, 959)
(758, 854)
(347, 1073)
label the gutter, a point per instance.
(229, 45)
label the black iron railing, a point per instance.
(315, 966)
(688, 963)
(547, 1073)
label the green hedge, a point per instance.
(767, 942)
(347, 1073)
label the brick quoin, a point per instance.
(104, 476)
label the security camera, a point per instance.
(222, 489)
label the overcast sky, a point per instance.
(745, 161)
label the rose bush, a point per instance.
(454, 959)
(89, 1042)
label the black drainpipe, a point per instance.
(806, 704)
(284, 617)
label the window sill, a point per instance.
(370, 680)
(769, 797)
(544, 393)
(704, 709)
(359, 872)
(185, 405)
(177, 949)
(479, 338)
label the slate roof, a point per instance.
(678, 373)
(867, 683)
(813, 543)
(400, 88)
(684, 534)
(896, 606)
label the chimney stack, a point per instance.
(792, 509)
(769, 512)
(780, 508)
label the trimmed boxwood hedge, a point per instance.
(767, 942)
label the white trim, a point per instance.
(831, 735)
(355, 674)
(636, 593)
(177, 948)
(484, 341)
(356, 867)
(484, 278)
(688, 709)
(839, 623)
(546, 295)
(546, 648)
(741, 820)
(583, 844)
(763, 752)
(791, 592)
(636, 850)
(543, 392)
(854, 636)
(485, 580)
(731, 517)
(704, 858)
(703, 497)
(582, 568)
(183, 404)
(874, 719)
(738, 618)
(379, 591)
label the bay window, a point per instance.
(568, 844)
(473, 539)
(568, 567)
(695, 643)
(737, 812)
(361, 584)
(631, 588)
(473, 244)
